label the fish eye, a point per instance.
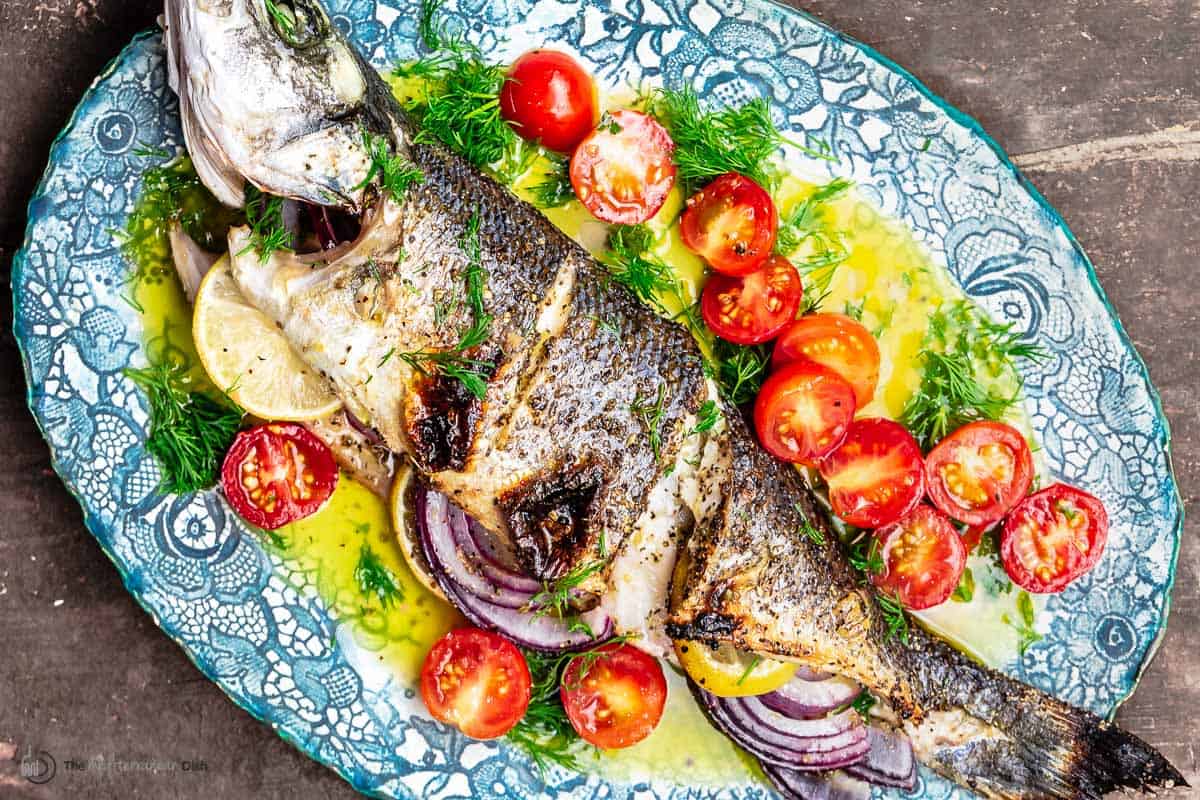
(299, 23)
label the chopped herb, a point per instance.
(300, 23)
(396, 173)
(276, 539)
(855, 310)
(711, 142)
(652, 416)
(706, 417)
(190, 429)
(558, 597)
(811, 531)
(605, 324)
(476, 274)
(1064, 508)
(864, 703)
(804, 220)
(965, 591)
(753, 665)
(893, 617)
(264, 214)
(375, 579)
(739, 371)
(1024, 627)
(864, 556)
(555, 188)
(386, 357)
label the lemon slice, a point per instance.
(727, 672)
(405, 526)
(245, 354)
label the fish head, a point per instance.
(272, 93)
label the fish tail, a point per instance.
(1015, 742)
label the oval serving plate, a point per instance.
(258, 629)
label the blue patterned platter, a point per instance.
(258, 628)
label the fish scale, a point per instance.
(555, 456)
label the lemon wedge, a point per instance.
(245, 354)
(405, 526)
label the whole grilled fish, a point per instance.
(578, 445)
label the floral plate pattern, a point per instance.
(253, 622)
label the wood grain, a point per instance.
(1100, 103)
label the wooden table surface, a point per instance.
(1100, 103)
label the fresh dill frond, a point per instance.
(893, 616)
(651, 415)
(557, 597)
(396, 173)
(805, 219)
(854, 310)
(965, 591)
(739, 371)
(605, 324)
(753, 665)
(864, 703)
(863, 554)
(812, 532)
(706, 418)
(264, 215)
(1024, 626)
(631, 265)
(190, 430)
(472, 373)
(476, 274)
(375, 579)
(711, 142)
(555, 189)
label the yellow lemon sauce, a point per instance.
(898, 286)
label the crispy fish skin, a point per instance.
(556, 457)
(753, 581)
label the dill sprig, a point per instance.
(190, 430)
(864, 703)
(558, 597)
(264, 215)
(706, 418)
(555, 188)
(804, 220)
(965, 591)
(375, 579)
(863, 554)
(961, 346)
(739, 371)
(812, 532)
(711, 142)
(893, 616)
(396, 173)
(1023, 626)
(651, 415)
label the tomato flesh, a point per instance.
(1052, 537)
(876, 476)
(731, 223)
(802, 412)
(623, 171)
(923, 559)
(549, 98)
(753, 308)
(614, 697)
(476, 681)
(277, 473)
(835, 341)
(978, 473)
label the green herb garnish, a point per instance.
(965, 591)
(558, 597)
(651, 414)
(264, 214)
(190, 429)
(396, 173)
(375, 579)
(864, 556)
(739, 371)
(864, 703)
(1024, 626)
(753, 665)
(807, 529)
(804, 220)
(893, 616)
(706, 418)
(555, 188)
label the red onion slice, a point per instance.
(890, 762)
(796, 744)
(809, 674)
(438, 521)
(547, 632)
(796, 785)
(802, 698)
(468, 535)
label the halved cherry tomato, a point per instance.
(1052, 537)
(549, 98)
(476, 681)
(802, 412)
(979, 472)
(614, 697)
(277, 473)
(753, 308)
(731, 223)
(876, 475)
(923, 558)
(835, 341)
(623, 171)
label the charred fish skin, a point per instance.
(554, 455)
(754, 581)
